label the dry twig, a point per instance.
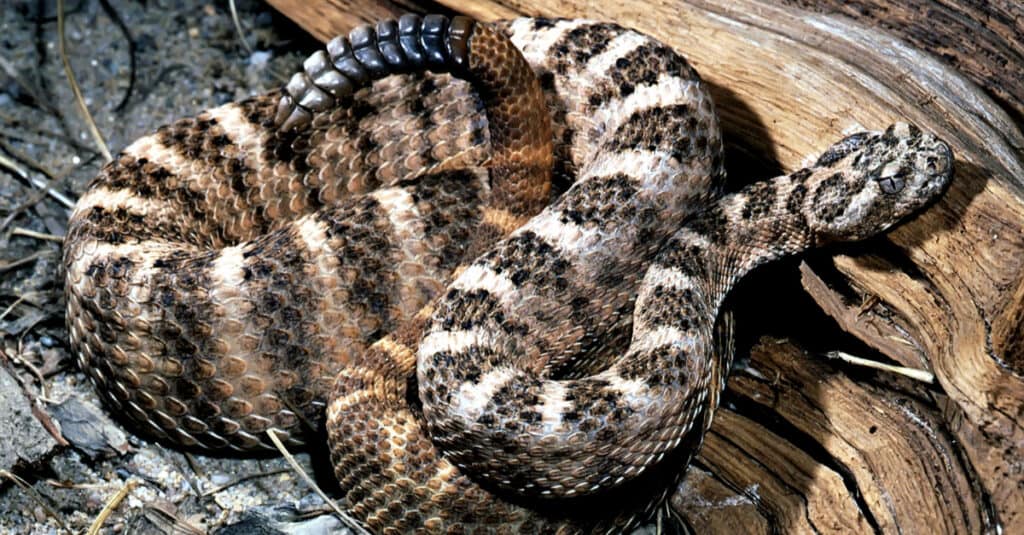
(116, 17)
(112, 504)
(62, 48)
(12, 166)
(917, 374)
(8, 68)
(238, 26)
(34, 133)
(36, 497)
(167, 521)
(352, 523)
(18, 301)
(28, 233)
(7, 266)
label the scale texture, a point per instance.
(503, 286)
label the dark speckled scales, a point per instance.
(224, 269)
(515, 402)
(371, 426)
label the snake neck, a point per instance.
(765, 222)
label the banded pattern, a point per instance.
(511, 401)
(223, 270)
(680, 176)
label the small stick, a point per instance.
(345, 518)
(77, 486)
(4, 267)
(44, 419)
(62, 48)
(31, 89)
(168, 521)
(17, 359)
(19, 231)
(189, 478)
(21, 208)
(35, 496)
(238, 26)
(32, 133)
(116, 17)
(917, 374)
(115, 500)
(12, 166)
(18, 301)
(868, 304)
(28, 160)
(37, 410)
(194, 465)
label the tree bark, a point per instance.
(808, 445)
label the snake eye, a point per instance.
(892, 177)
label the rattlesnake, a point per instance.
(233, 272)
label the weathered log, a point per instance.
(816, 446)
(820, 448)
(982, 40)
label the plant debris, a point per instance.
(66, 462)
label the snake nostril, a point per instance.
(939, 162)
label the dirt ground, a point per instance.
(139, 65)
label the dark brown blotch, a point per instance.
(841, 149)
(600, 201)
(643, 66)
(658, 367)
(449, 204)
(673, 307)
(795, 201)
(465, 309)
(712, 224)
(760, 199)
(529, 259)
(831, 198)
(689, 258)
(576, 47)
(662, 128)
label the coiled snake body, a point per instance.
(489, 358)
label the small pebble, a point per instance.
(219, 479)
(260, 57)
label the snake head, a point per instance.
(868, 182)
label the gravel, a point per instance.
(187, 57)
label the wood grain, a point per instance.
(823, 448)
(982, 40)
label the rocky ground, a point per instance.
(139, 65)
